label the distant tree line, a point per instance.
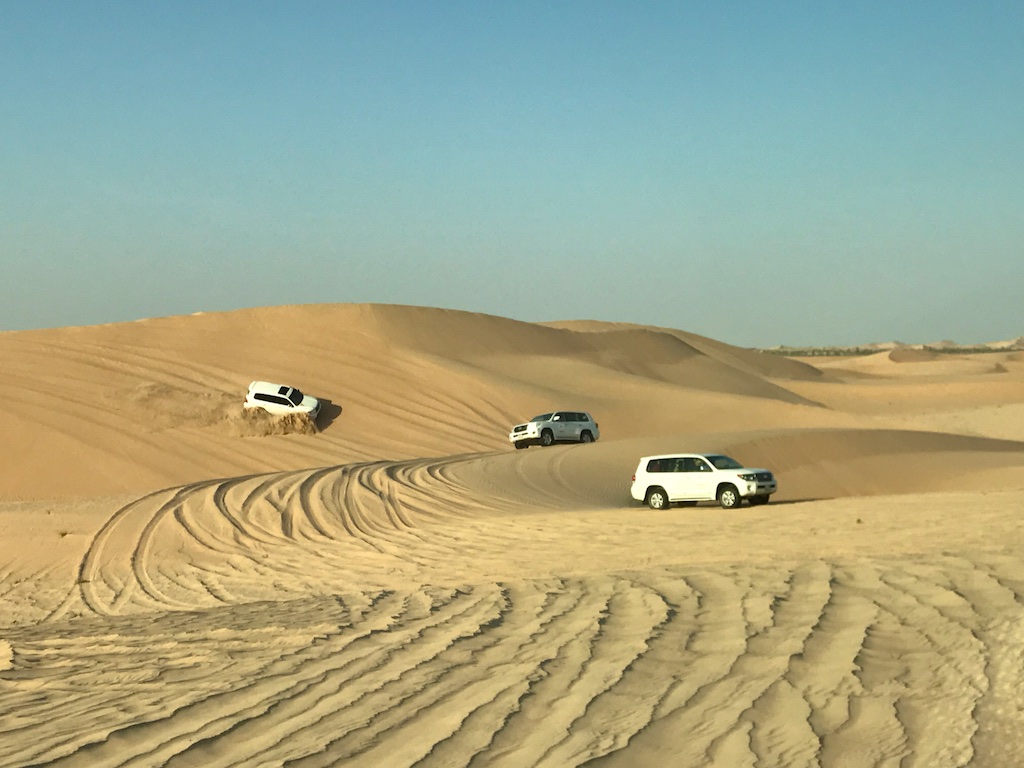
(855, 351)
(972, 350)
(819, 351)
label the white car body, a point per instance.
(280, 399)
(555, 427)
(660, 481)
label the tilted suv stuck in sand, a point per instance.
(660, 481)
(280, 399)
(555, 427)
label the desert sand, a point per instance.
(183, 586)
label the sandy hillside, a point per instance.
(183, 585)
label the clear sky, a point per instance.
(759, 172)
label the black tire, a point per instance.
(729, 497)
(520, 444)
(586, 437)
(547, 437)
(657, 498)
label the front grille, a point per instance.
(764, 477)
(520, 428)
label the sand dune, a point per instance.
(181, 584)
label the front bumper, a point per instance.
(519, 435)
(756, 488)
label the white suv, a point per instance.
(556, 427)
(691, 477)
(280, 400)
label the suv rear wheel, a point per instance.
(657, 498)
(586, 437)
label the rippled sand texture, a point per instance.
(181, 586)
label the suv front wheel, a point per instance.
(547, 437)
(729, 497)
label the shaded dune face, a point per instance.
(400, 587)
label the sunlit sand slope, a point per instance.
(138, 406)
(133, 407)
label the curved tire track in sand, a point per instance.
(723, 665)
(295, 532)
(303, 618)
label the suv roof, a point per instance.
(681, 453)
(268, 387)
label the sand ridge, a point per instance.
(400, 587)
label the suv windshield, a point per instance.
(724, 462)
(542, 417)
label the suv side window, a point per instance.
(660, 465)
(272, 399)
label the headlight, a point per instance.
(749, 476)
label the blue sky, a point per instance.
(761, 173)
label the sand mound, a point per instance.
(134, 406)
(912, 355)
(164, 405)
(753, 361)
(253, 422)
(503, 345)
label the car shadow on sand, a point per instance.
(745, 506)
(328, 413)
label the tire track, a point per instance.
(316, 617)
(797, 665)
